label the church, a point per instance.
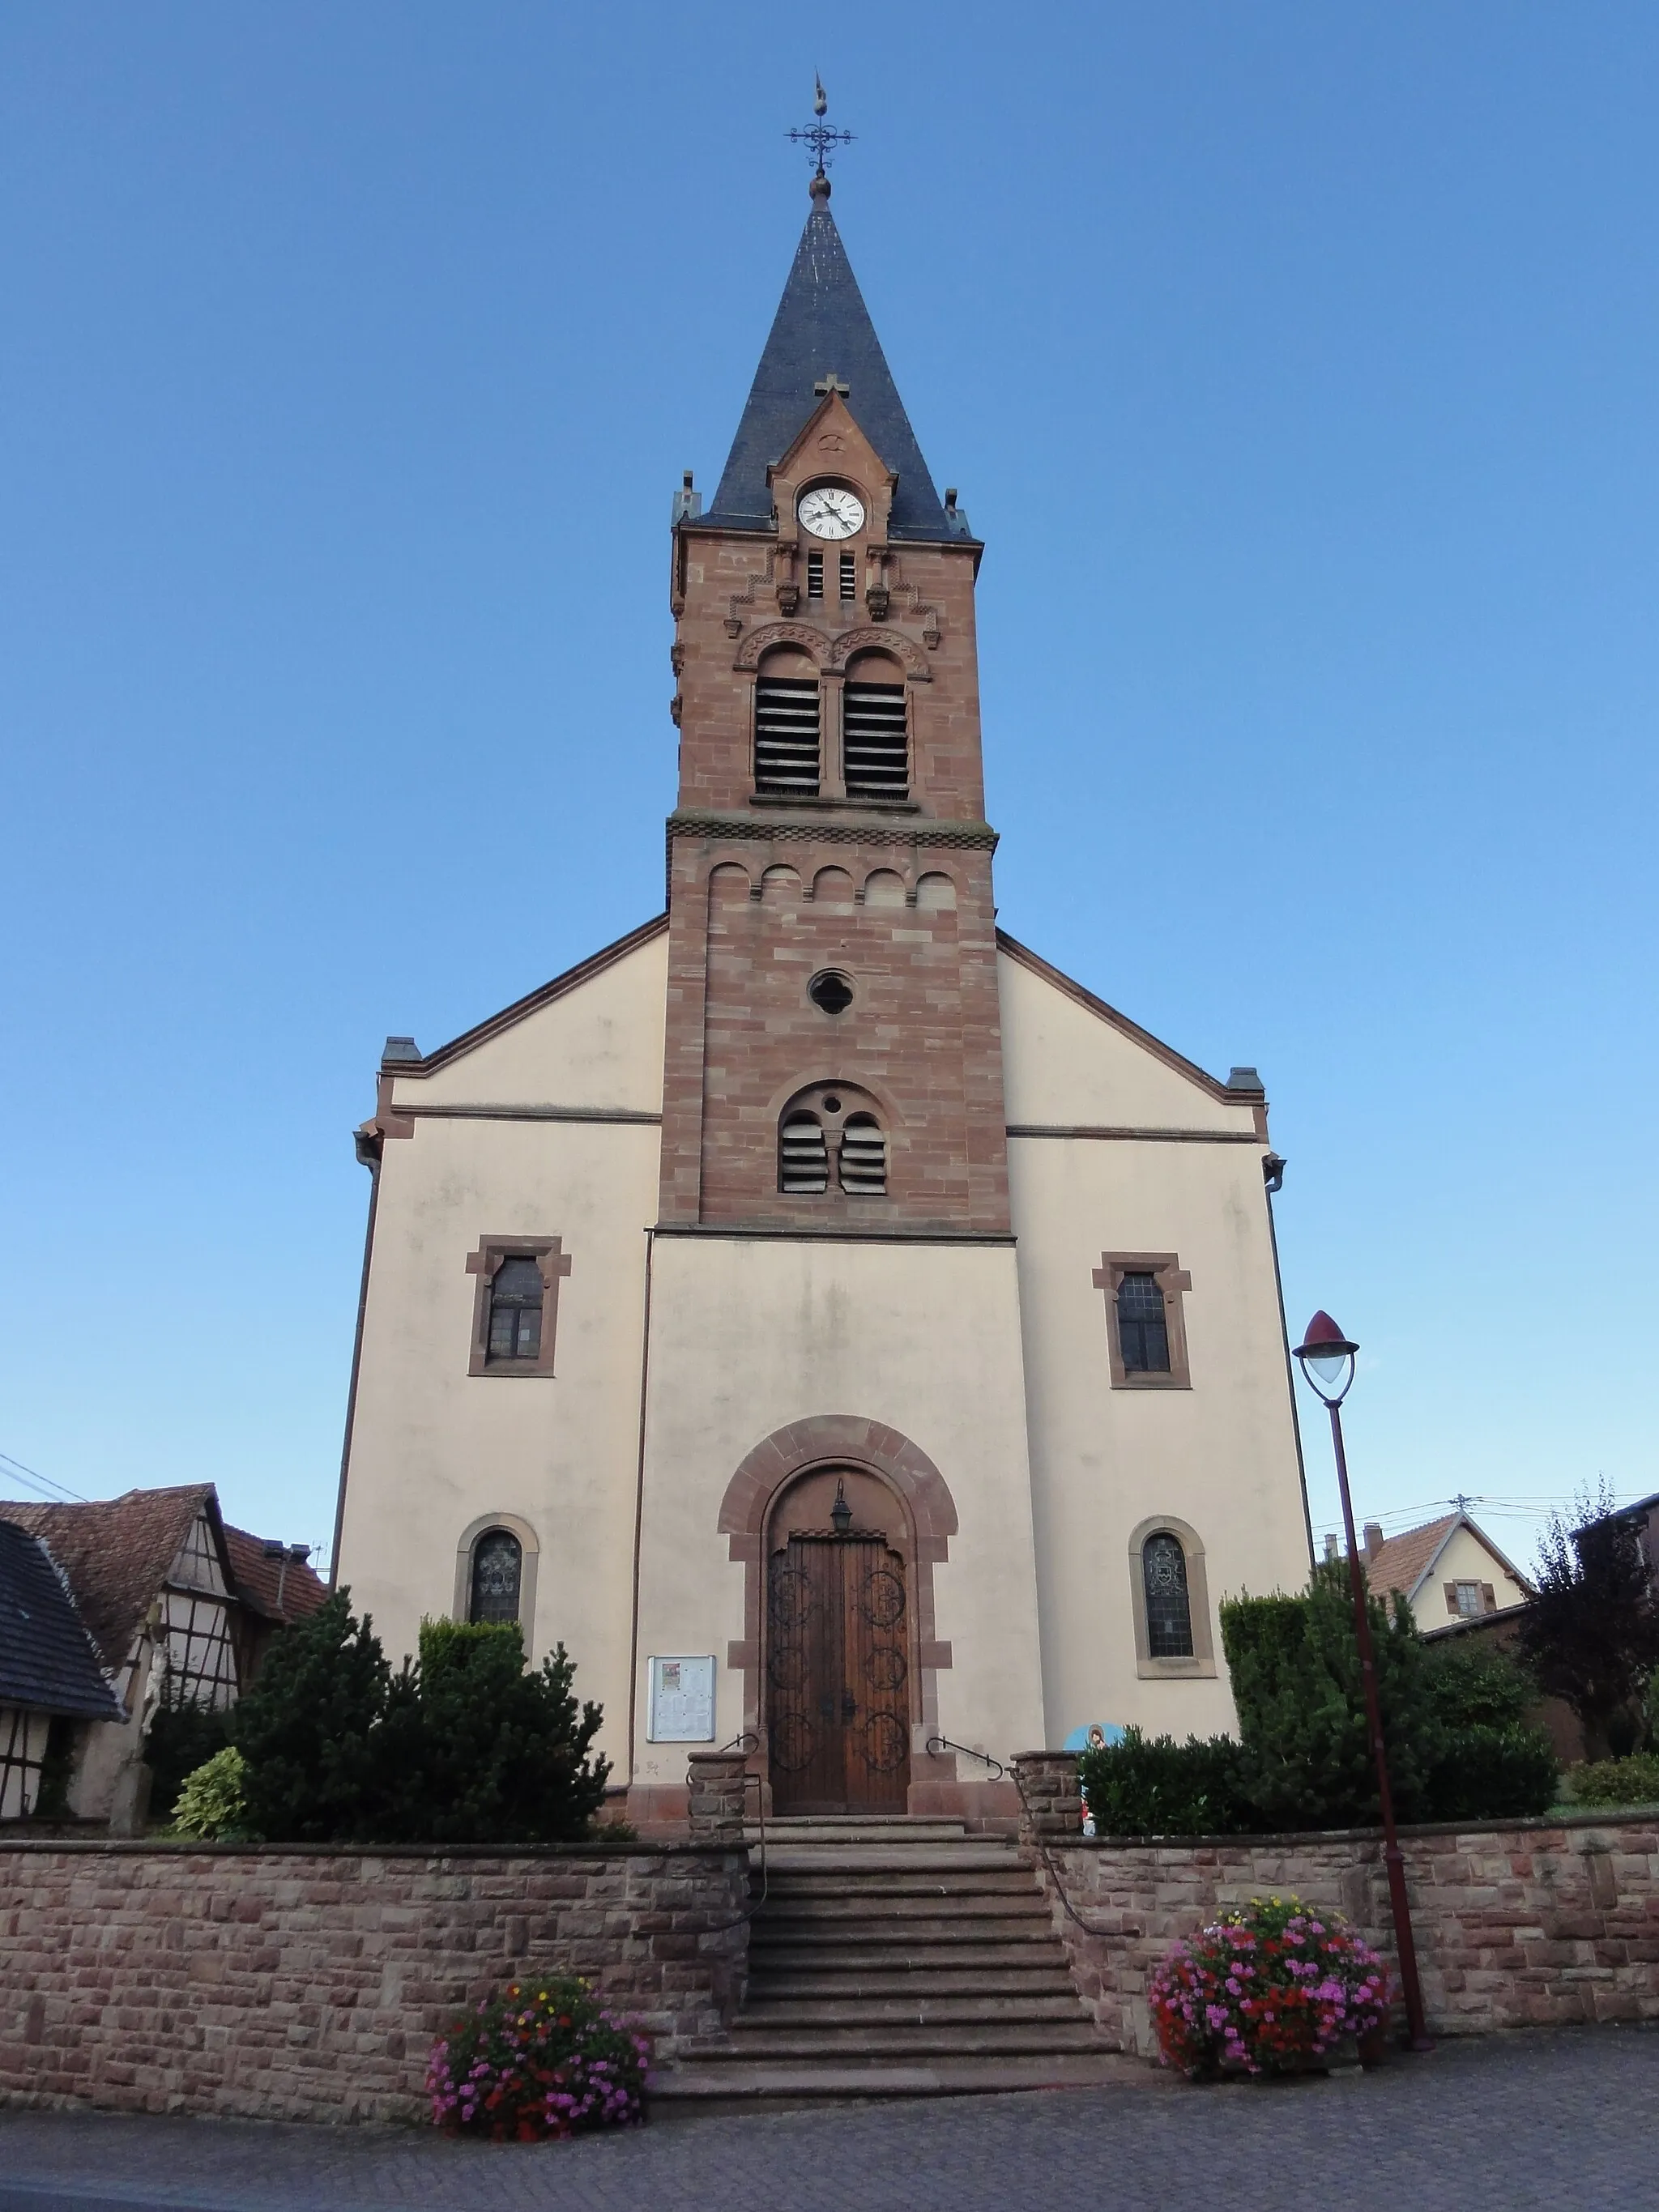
(898, 1372)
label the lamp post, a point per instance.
(1326, 1357)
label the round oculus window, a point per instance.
(830, 991)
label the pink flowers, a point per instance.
(1266, 1989)
(541, 2060)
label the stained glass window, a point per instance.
(497, 1572)
(1169, 1610)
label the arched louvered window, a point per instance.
(516, 1298)
(1143, 1334)
(497, 1577)
(803, 1155)
(787, 732)
(1168, 1607)
(863, 1157)
(875, 740)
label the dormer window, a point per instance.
(875, 740)
(786, 727)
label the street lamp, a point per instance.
(1326, 1360)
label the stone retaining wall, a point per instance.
(1518, 1925)
(309, 1984)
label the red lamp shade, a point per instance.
(1323, 1338)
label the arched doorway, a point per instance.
(840, 1663)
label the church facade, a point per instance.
(839, 1328)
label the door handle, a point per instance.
(849, 1705)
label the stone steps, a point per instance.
(905, 1963)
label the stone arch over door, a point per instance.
(829, 1440)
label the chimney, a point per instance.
(1373, 1539)
(1331, 1551)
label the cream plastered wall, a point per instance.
(1220, 1457)
(1466, 1559)
(433, 1447)
(749, 1334)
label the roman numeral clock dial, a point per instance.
(829, 511)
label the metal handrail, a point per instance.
(938, 1743)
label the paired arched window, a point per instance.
(875, 736)
(787, 726)
(875, 743)
(832, 1132)
(497, 1577)
(1169, 1601)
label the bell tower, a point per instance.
(834, 1054)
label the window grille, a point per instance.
(787, 736)
(849, 576)
(863, 1157)
(815, 575)
(1143, 1334)
(497, 1574)
(804, 1157)
(516, 1310)
(874, 743)
(1169, 1610)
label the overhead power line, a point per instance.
(44, 1486)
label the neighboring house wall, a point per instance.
(1217, 1460)
(488, 1149)
(1464, 1560)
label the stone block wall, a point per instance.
(1532, 1924)
(310, 1983)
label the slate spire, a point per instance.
(822, 329)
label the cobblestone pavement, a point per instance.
(1516, 2122)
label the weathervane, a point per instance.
(821, 137)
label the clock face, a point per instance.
(830, 512)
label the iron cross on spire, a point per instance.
(821, 137)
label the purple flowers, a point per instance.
(1266, 1989)
(543, 2059)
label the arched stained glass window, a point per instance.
(1143, 1334)
(497, 1577)
(1169, 1608)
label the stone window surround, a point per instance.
(1202, 1662)
(1172, 1278)
(530, 1550)
(844, 1439)
(549, 1253)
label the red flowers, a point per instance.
(538, 2063)
(1266, 1989)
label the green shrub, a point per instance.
(1633, 1781)
(1296, 1680)
(181, 1738)
(1489, 1773)
(463, 1746)
(1472, 1683)
(484, 1752)
(1162, 1788)
(211, 1804)
(309, 1730)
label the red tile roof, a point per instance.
(116, 1552)
(281, 1588)
(1404, 1559)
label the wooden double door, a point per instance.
(838, 1675)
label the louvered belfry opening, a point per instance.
(849, 576)
(787, 736)
(863, 1157)
(875, 744)
(803, 1155)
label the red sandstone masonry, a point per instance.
(1537, 1924)
(310, 1985)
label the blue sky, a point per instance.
(1297, 363)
